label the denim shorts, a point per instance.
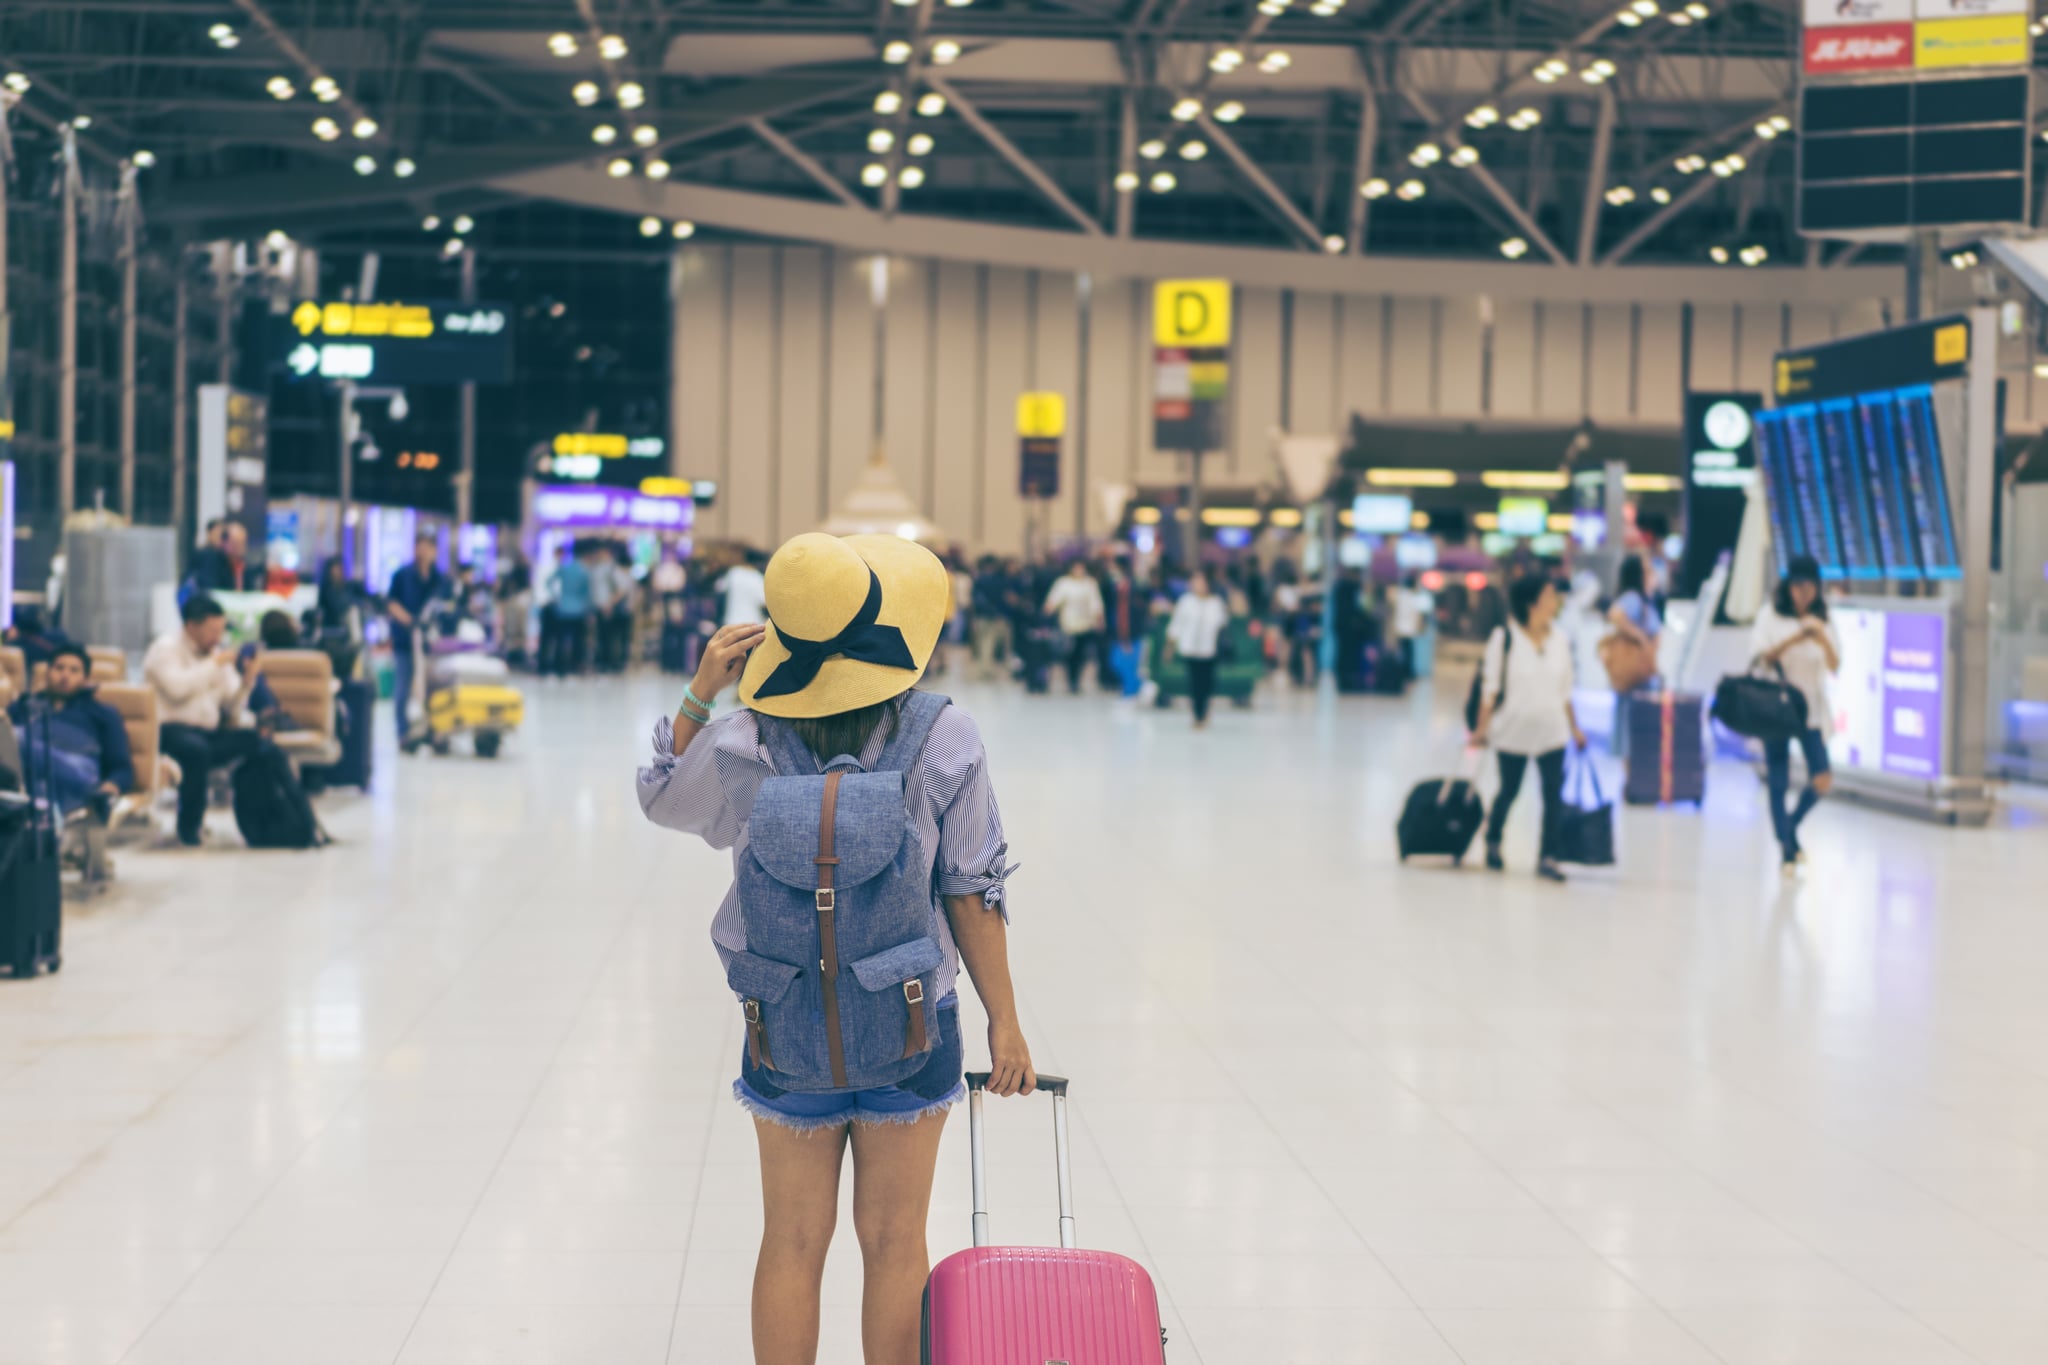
(935, 1087)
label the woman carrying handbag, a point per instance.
(1793, 636)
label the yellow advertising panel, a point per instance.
(1042, 415)
(1990, 40)
(1194, 314)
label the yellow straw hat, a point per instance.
(851, 622)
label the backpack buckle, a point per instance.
(753, 1011)
(913, 991)
(825, 899)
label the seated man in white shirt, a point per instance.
(199, 688)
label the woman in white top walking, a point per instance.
(1193, 633)
(1525, 712)
(1794, 636)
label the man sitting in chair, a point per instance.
(200, 688)
(89, 762)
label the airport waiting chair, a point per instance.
(109, 665)
(13, 673)
(137, 705)
(303, 680)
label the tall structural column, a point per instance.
(7, 99)
(67, 337)
(1084, 285)
(465, 480)
(181, 359)
(129, 210)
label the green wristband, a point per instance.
(695, 715)
(690, 696)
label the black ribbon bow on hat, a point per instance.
(863, 639)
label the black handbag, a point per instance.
(1760, 705)
(1585, 830)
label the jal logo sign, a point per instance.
(1835, 13)
(1867, 47)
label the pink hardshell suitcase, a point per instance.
(1038, 1305)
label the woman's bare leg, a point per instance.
(800, 1205)
(892, 1195)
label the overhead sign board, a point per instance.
(600, 457)
(1862, 47)
(1042, 415)
(1963, 9)
(1918, 353)
(1994, 40)
(398, 342)
(1843, 13)
(1191, 314)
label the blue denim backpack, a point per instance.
(842, 926)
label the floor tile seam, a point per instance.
(597, 977)
(675, 1315)
(447, 986)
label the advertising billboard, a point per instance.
(1891, 693)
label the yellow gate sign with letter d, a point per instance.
(1041, 414)
(1191, 314)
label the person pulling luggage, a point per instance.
(1525, 712)
(846, 926)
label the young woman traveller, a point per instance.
(1525, 711)
(1194, 632)
(825, 688)
(1793, 635)
(1635, 624)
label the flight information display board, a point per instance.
(1858, 484)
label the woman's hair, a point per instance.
(1802, 569)
(848, 732)
(277, 630)
(1632, 577)
(1523, 594)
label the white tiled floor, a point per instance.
(454, 1089)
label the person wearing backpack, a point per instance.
(1525, 712)
(869, 865)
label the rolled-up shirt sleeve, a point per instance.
(683, 791)
(972, 859)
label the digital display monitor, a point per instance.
(1891, 519)
(1810, 504)
(1927, 483)
(1774, 456)
(1524, 516)
(1414, 551)
(1381, 514)
(1848, 493)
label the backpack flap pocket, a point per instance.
(763, 984)
(909, 971)
(782, 831)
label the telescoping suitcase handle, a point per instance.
(977, 1081)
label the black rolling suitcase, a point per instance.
(679, 641)
(1441, 816)
(1667, 749)
(31, 887)
(357, 702)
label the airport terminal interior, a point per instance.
(1488, 567)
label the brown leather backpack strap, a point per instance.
(828, 939)
(914, 1037)
(757, 1037)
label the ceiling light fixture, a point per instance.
(1126, 181)
(910, 177)
(562, 44)
(1230, 111)
(604, 135)
(1275, 62)
(1718, 255)
(1163, 182)
(463, 222)
(611, 47)
(82, 122)
(1620, 195)
(1152, 149)
(881, 140)
(931, 104)
(657, 169)
(1375, 188)
(144, 158)
(1465, 155)
(896, 53)
(452, 247)
(618, 168)
(16, 82)
(945, 52)
(918, 144)
(1754, 255)
(632, 95)
(1193, 150)
(326, 129)
(1485, 116)
(873, 174)
(366, 165)
(1411, 190)
(888, 102)
(404, 167)
(280, 87)
(1334, 244)
(646, 135)
(1186, 110)
(1660, 194)
(584, 93)
(1525, 118)
(1628, 18)
(431, 223)
(650, 226)
(1428, 154)
(1227, 60)
(364, 128)
(1514, 248)
(683, 230)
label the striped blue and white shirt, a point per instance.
(708, 790)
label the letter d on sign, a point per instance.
(1191, 314)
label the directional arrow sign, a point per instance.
(305, 357)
